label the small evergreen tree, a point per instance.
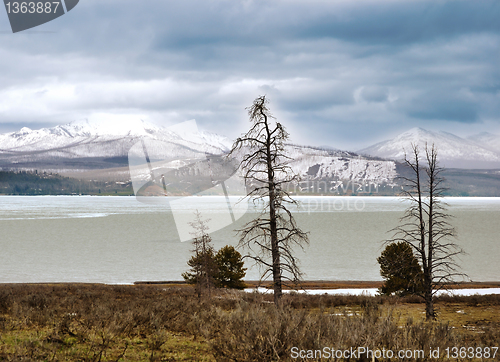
(202, 263)
(230, 268)
(203, 271)
(401, 270)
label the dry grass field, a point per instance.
(87, 322)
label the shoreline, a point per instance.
(330, 284)
(321, 287)
(254, 284)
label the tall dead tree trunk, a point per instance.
(274, 232)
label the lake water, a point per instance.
(121, 240)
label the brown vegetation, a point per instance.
(83, 322)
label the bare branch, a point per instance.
(425, 224)
(270, 236)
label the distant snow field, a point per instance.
(374, 291)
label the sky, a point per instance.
(344, 74)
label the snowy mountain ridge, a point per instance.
(336, 166)
(85, 145)
(453, 151)
(88, 139)
(487, 140)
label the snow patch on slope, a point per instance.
(314, 164)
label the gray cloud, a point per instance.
(375, 93)
(404, 22)
(435, 105)
(341, 73)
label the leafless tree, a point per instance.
(272, 235)
(202, 263)
(426, 225)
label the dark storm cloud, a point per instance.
(351, 70)
(400, 23)
(443, 106)
(375, 94)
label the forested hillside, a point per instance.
(34, 183)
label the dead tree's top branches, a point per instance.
(266, 170)
(425, 225)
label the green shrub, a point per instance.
(230, 268)
(401, 270)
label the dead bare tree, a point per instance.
(274, 232)
(426, 225)
(202, 263)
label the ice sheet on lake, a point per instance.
(374, 291)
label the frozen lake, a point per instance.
(121, 240)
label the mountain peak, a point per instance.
(24, 130)
(113, 138)
(125, 127)
(417, 132)
(452, 150)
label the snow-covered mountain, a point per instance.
(453, 151)
(337, 167)
(84, 146)
(89, 145)
(87, 139)
(487, 140)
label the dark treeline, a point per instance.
(458, 183)
(45, 183)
